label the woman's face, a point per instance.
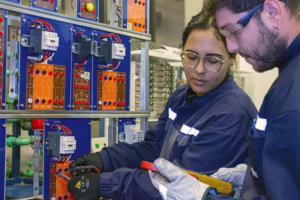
(205, 43)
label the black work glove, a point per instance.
(85, 187)
(89, 159)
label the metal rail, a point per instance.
(41, 114)
(68, 19)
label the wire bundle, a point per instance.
(112, 37)
(68, 132)
(119, 12)
(49, 54)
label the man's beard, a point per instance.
(269, 48)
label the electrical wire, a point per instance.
(72, 5)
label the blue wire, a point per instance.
(42, 26)
(119, 16)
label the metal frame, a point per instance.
(68, 19)
(41, 114)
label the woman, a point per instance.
(201, 129)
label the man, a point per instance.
(266, 33)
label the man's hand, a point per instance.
(85, 187)
(235, 176)
(179, 185)
(89, 159)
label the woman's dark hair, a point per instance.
(202, 22)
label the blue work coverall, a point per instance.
(274, 144)
(202, 135)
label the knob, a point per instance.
(114, 103)
(105, 77)
(109, 103)
(124, 79)
(105, 103)
(1, 33)
(115, 79)
(119, 103)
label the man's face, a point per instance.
(260, 44)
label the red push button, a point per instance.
(82, 86)
(94, 11)
(56, 73)
(123, 103)
(62, 74)
(55, 101)
(87, 102)
(83, 8)
(76, 86)
(87, 87)
(62, 101)
(30, 71)
(124, 79)
(50, 73)
(49, 101)
(76, 75)
(81, 102)
(100, 77)
(1, 34)
(76, 102)
(1, 19)
(119, 103)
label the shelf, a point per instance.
(68, 19)
(40, 114)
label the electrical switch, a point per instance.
(90, 7)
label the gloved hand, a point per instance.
(235, 176)
(85, 187)
(89, 159)
(181, 184)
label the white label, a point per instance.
(129, 26)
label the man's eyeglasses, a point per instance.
(234, 31)
(211, 63)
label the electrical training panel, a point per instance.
(134, 16)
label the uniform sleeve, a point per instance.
(219, 143)
(132, 155)
(125, 183)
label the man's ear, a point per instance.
(273, 12)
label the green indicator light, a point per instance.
(97, 145)
(12, 72)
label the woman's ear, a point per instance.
(233, 60)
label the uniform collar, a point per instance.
(287, 56)
(201, 100)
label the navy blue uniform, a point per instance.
(202, 135)
(274, 144)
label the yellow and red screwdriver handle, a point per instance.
(221, 186)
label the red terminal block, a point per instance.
(56, 73)
(49, 101)
(123, 103)
(143, 3)
(1, 34)
(50, 73)
(76, 75)
(76, 102)
(1, 67)
(0, 85)
(119, 103)
(87, 87)
(1, 19)
(143, 26)
(115, 79)
(51, 1)
(76, 86)
(0, 100)
(1, 53)
(83, 8)
(87, 102)
(124, 79)
(81, 102)
(55, 101)
(62, 73)
(119, 79)
(114, 103)
(62, 101)
(100, 77)
(81, 86)
(53, 171)
(30, 71)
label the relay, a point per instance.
(57, 143)
(110, 50)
